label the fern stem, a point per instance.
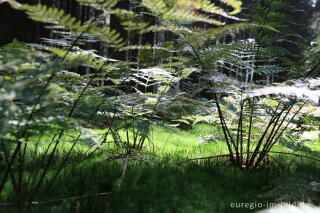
(256, 151)
(250, 128)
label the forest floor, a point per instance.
(160, 179)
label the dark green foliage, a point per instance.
(291, 19)
(294, 142)
(186, 188)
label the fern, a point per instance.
(184, 11)
(99, 4)
(213, 34)
(59, 20)
(301, 89)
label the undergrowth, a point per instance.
(167, 183)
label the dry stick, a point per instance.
(120, 156)
(297, 155)
(58, 200)
(228, 155)
(114, 158)
(203, 158)
(256, 151)
(135, 157)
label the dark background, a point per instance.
(15, 24)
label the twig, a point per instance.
(203, 158)
(297, 155)
(58, 199)
(228, 155)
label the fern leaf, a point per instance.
(99, 4)
(59, 20)
(235, 4)
(186, 11)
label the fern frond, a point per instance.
(300, 89)
(48, 15)
(130, 20)
(59, 20)
(106, 34)
(186, 11)
(230, 29)
(235, 4)
(85, 57)
(157, 28)
(99, 4)
(203, 5)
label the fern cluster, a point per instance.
(42, 90)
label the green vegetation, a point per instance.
(162, 166)
(160, 182)
(217, 111)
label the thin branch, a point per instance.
(57, 200)
(228, 155)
